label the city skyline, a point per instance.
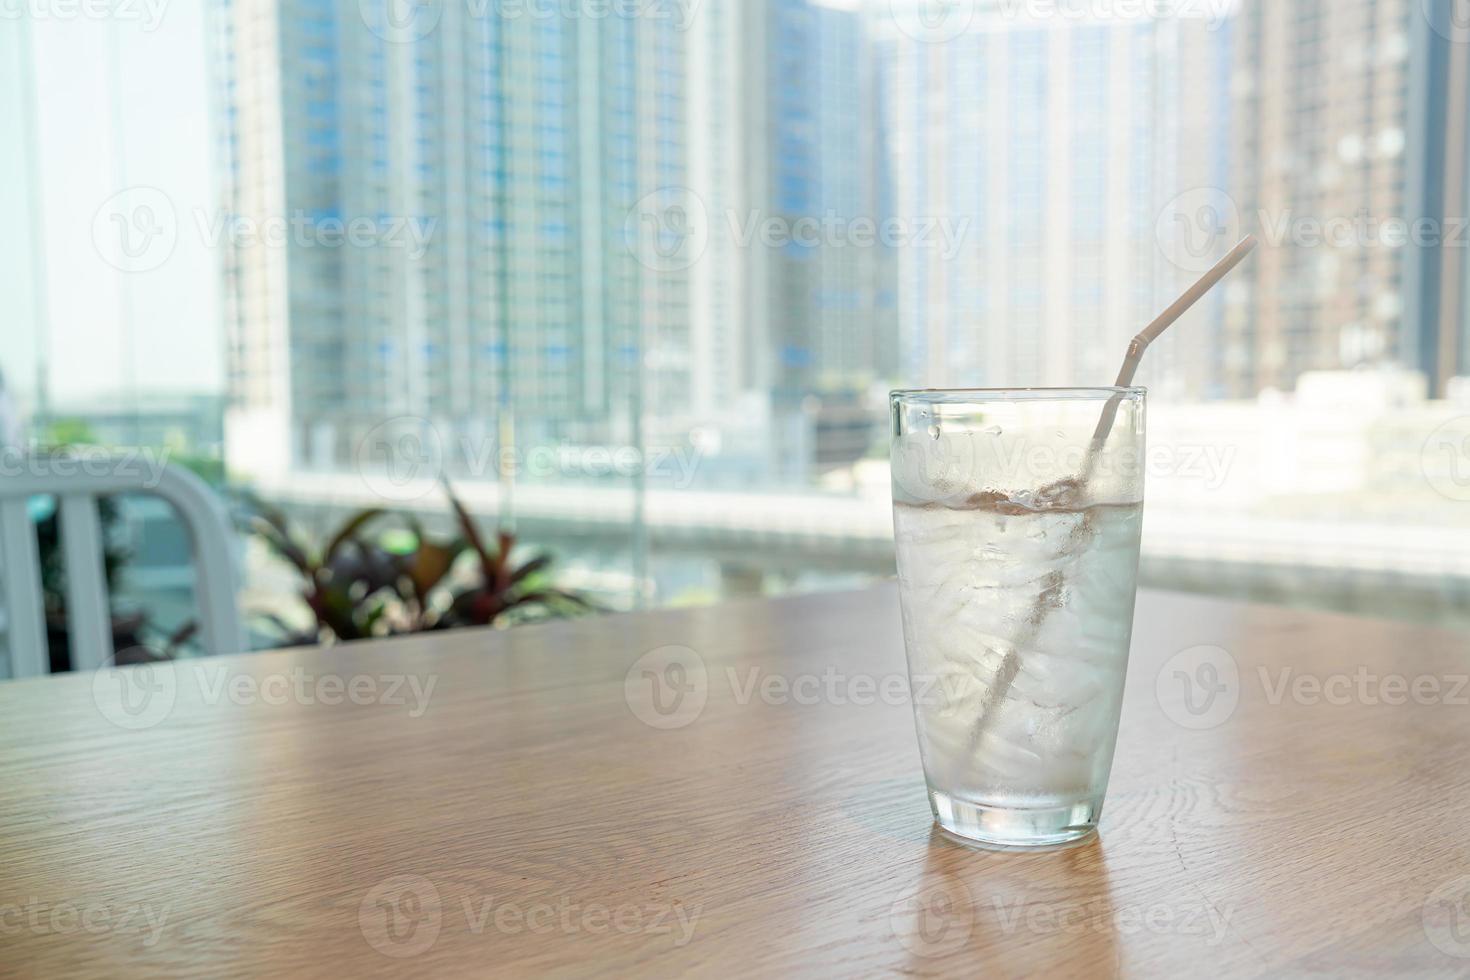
(589, 273)
(701, 252)
(750, 318)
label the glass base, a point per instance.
(986, 825)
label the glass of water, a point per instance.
(1016, 518)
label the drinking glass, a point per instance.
(1016, 518)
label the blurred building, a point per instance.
(494, 157)
(827, 182)
(1349, 119)
(1053, 144)
(1436, 298)
(564, 206)
(819, 281)
(188, 425)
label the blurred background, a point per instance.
(635, 276)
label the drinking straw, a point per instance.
(1010, 664)
(1150, 333)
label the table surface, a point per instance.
(729, 790)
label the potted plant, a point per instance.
(364, 582)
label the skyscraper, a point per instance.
(1436, 301)
(1344, 117)
(828, 313)
(497, 157)
(1053, 144)
(585, 188)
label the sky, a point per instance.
(108, 323)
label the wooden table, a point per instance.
(524, 817)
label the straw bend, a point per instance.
(1177, 308)
(1150, 333)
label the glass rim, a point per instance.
(1015, 394)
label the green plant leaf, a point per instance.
(279, 540)
(349, 531)
(537, 564)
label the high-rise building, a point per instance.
(831, 300)
(1436, 300)
(497, 158)
(827, 310)
(855, 305)
(1052, 145)
(792, 320)
(1347, 130)
(574, 198)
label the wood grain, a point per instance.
(523, 820)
